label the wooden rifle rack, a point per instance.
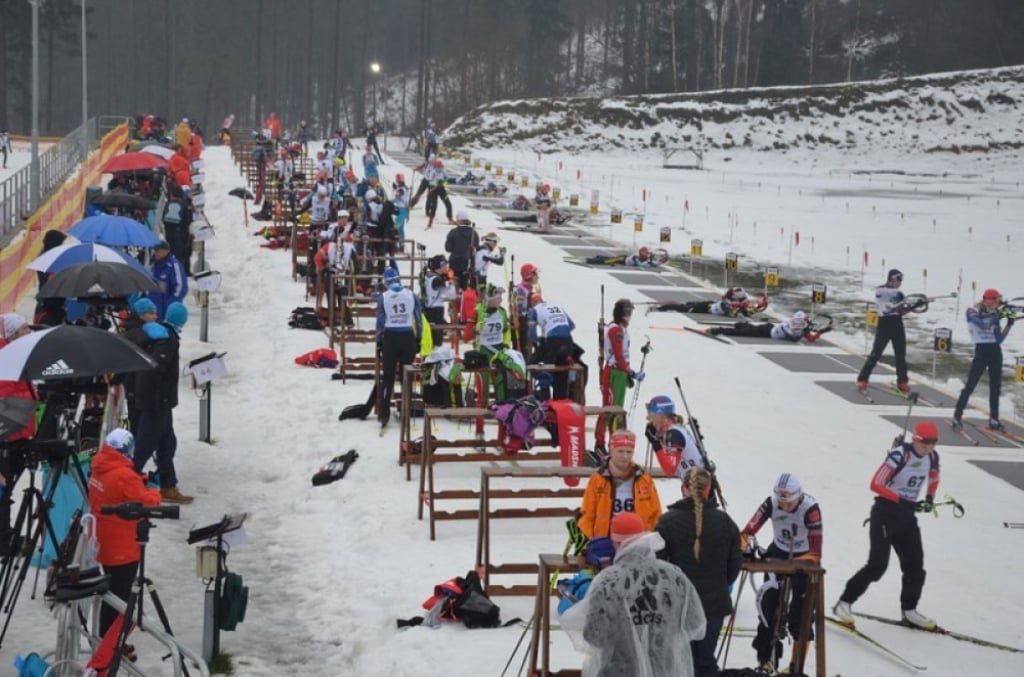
(436, 451)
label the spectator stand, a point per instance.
(436, 450)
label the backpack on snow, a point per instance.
(464, 599)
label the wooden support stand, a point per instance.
(434, 451)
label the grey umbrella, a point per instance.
(98, 278)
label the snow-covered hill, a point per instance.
(973, 111)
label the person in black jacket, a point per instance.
(704, 542)
(461, 245)
(156, 395)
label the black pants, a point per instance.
(463, 273)
(420, 190)
(155, 437)
(688, 307)
(558, 351)
(430, 150)
(435, 316)
(890, 328)
(744, 328)
(121, 578)
(397, 349)
(180, 241)
(986, 356)
(768, 607)
(433, 196)
(893, 526)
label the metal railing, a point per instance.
(56, 164)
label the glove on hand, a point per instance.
(652, 436)
(639, 376)
(925, 506)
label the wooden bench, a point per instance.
(434, 452)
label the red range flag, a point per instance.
(796, 238)
(865, 258)
(686, 205)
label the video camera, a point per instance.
(136, 511)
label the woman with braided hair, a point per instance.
(703, 541)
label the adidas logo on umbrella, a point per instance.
(58, 368)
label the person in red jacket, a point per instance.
(115, 481)
(12, 327)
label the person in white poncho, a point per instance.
(641, 613)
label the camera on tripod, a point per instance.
(134, 510)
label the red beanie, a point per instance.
(625, 527)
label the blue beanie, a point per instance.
(143, 306)
(177, 314)
(156, 331)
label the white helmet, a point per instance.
(787, 487)
(799, 320)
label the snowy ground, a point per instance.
(330, 569)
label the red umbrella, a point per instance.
(134, 162)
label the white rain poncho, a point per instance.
(639, 616)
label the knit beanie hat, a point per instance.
(122, 441)
(143, 306)
(625, 527)
(177, 314)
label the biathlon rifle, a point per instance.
(600, 336)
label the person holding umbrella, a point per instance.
(170, 275)
(12, 327)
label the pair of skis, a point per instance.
(995, 436)
(938, 630)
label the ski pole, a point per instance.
(723, 651)
(911, 401)
(518, 644)
(645, 350)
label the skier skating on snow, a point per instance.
(987, 337)
(794, 329)
(891, 309)
(797, 534)
(908, 468)
(734, 302)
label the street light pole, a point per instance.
(85, 90)
(375, 69)
(34, 186)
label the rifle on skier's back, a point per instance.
(600, 336)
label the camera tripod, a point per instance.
(134, 602)
(30, 536)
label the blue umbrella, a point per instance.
(66, 255)
(113, 231)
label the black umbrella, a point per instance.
(68, 352)
(242, 193)
(96, 279)
(15, 415)
(123, 201)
